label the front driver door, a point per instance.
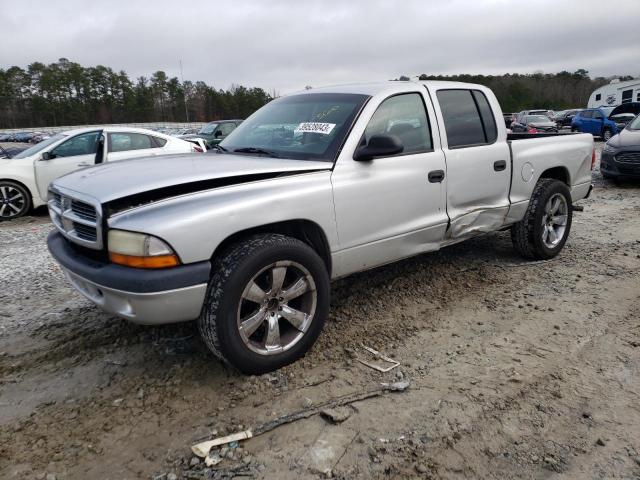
(391, 207)
(77, 152)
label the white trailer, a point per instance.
(615, 93)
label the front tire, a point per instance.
(543, 231)
(15, 200)
(266, 303)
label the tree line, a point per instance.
(516, 92)
(66, 93)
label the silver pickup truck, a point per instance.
(312, 187)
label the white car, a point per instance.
(25, 177)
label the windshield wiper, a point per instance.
(219, 148)
(256, 150)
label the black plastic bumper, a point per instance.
(128, 279)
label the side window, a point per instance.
(405, 117)
(84, 144)
(461, 118)
(227, 128)
(586, 114)
(597, 115)
(486, 114)
(627, 96)
(122, 142)
(159, 142)
(598, 97)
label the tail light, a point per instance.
(196, 149)
(531, 130)
(593, 159)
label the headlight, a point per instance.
(609, 149)
(139, 250)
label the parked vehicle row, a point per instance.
(213, 132)
(25, 137)
(25, 177)
(313, 186)
(605, 122)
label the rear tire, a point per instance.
(253, 317)
(606, 135)
(543, 231)
(15, 200)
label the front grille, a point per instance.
(628, 157)
(76, 218)
(85, 232)
(83, 210)
(57, 200)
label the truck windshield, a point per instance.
(310, 126)
(38, 147)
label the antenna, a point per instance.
(186, 110)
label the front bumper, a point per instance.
(142, 296)
(611, 167)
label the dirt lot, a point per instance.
(517, 370)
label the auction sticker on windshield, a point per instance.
(315, 127)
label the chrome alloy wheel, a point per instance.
(277, 307)
(12, 201)
(554, 220)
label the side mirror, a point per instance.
(218, 134)
(378, 146)
(48, 156)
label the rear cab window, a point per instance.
(468, 118)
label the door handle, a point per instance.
(500, 165)
(436, 176)
(84, 164)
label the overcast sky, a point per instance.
(287, 44)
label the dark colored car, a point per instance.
(22, 137)
(214, 132)
(534, 124)
(621, 154)
(564, 117)
(508, 119)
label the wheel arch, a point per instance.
(559, 173)
(304, 230)
(23, 185)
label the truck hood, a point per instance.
(193, 172)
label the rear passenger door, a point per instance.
(478, 161)
(125, 145)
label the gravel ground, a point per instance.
(517, 370)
